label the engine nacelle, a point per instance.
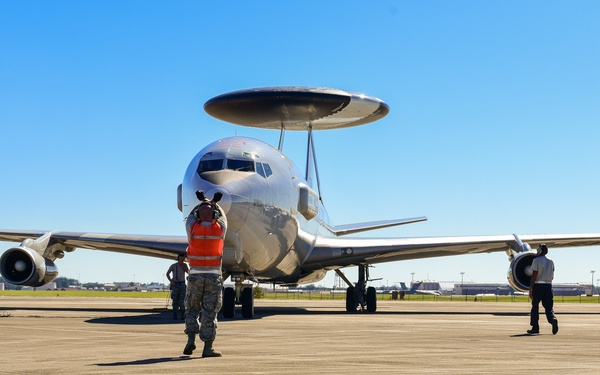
(519, 272)
(24, 266)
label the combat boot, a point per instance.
(190, 346)
(209, 351)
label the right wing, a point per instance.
(331, 253)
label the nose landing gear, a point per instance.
(239, 295)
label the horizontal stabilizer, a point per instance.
(342, 230)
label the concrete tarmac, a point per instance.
(71, 335)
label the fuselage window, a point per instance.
(260, 170)
(268, 170)
(240, 165)
(210, 165)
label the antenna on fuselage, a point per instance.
(311, 161)
(281, 136)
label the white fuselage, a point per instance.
(267, 203)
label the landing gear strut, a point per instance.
(240, 295)
(359, 296)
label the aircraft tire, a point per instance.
(350, 302)
(371, 299)
(228, 303)
(247, 303)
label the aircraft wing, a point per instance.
(331, 253)
(155, 246)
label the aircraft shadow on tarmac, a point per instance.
(167, 317)
(144, 316)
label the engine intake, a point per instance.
(519, 272)
(24, 266)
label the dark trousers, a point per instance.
(178, 297)
(542, 293)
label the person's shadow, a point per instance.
(149, 361)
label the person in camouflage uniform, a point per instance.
(206, 227)
(204, 299)
(177, 286)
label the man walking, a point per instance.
(206, 227)
(540, 290)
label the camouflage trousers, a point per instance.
(178, 297)
(204, 298)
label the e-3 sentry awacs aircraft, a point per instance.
(278, 231)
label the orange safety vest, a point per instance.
(206, 245)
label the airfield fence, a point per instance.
(341, 295)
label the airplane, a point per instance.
(414, 288)
(278, 229)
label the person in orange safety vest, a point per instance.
(206, 227)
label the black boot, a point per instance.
(190, 346)
(209, 351)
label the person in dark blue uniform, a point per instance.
(540, 290)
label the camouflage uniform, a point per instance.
(204, 294)
(203, 298)
(178, 296)
(177, 280)
(177, 289)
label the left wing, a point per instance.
(155, 246)
(32, 262)
(337, 252)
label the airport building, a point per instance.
(470, 289)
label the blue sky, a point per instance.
(493, 127)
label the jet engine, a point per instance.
(519, 272)
(23, 266)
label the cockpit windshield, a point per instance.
(238, 165)
(233, 164)
(210, 165)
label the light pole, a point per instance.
(462, 289)
(592, 272)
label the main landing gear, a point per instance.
(359, 297)
(239, 295)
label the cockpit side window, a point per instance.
(268, 170)
(263, 169)
(210, 165)
(240, 165)
(260, 170)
